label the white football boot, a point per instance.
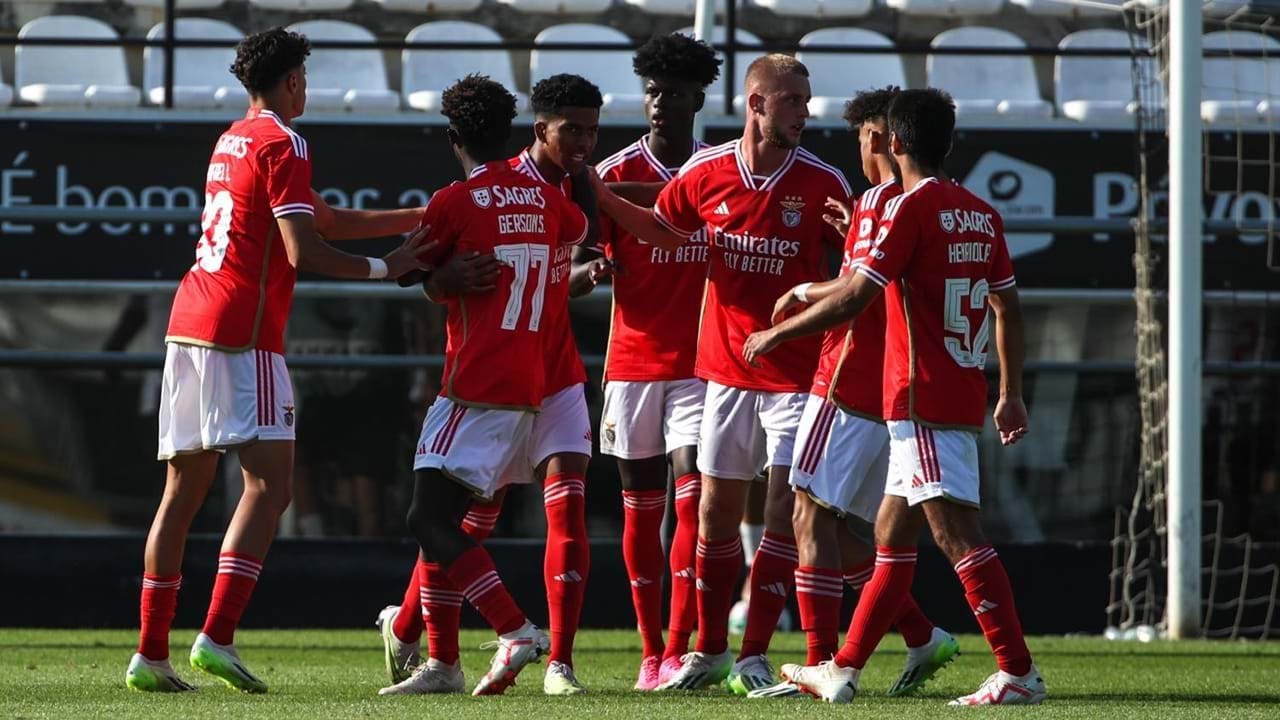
(560, 680)
(514, 650)
(224, 663)
(750, 673)
(430, 678)
(400, 658)
(154, 676)
(826, 681)
(1001, 688)
(700, 670)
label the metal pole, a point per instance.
(704, 22)
(730, 51)
(1185, 297)
(170, 21)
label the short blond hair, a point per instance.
(774, 65)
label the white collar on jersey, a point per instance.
(526, 159)
(749, 180)
(478, 170)
(922, 183)
(666, 172)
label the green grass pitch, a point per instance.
(331, 674)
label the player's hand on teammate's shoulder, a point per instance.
(599, 269)
(409, 256)
(757, 344)
(467, 273)
(1011, 419)
(840, 216)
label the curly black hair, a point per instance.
(562, 91)
(870, 105)
(678, 57)
(262, 59)
(480, 110)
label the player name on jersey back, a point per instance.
(940, 251)
(237, 294)
(495, 350)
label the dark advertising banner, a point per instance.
(1032, 174)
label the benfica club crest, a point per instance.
(791, 207)
(481, 197)
(947, 219)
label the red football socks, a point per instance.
(642, 512)
(879, 605)
(718, 565)
(684, 560)
(772, 577)
(474, 572)
(237, 576)
(986, 587)
(441, 612)
(567, 560)
(915, 627)
(407, 627)
(818, 593)
(159, 602)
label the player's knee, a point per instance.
(717, 521)
(778, 513)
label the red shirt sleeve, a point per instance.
(677, 208)
(288, 179)
(440, 232)
(895, 242)
(1000, 273)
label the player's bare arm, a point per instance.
(806, 293)
(638, 221)
(644, 194)
(841, 306)
(466, 273)
(584, 196)
(1011, 413)
(336, 224)
(308, 252)
(590, 268)
(841, 214)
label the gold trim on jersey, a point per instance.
(608, 341)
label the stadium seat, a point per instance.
(683, 8)
(1091, 89)
(180, 4)
(426, 73)
(817, 8)
(610, 70)
(201, 78)
(830, 78)
(559, 6)
(95, 76)
(345, 79)
(946, 8)
(6, 95)
(987, 86)
(1069, 8)
(304, 5)
(1240, 90)
(430, 6)
(741, 59)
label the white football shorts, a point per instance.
(925, 463)
(474, 446)
(841, 460)
(649, 419)
(744, 431)
(213, 400)
(562, 425)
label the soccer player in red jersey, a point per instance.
(940, 252)
(494, 379)
(567, 109)
(225, 384)
(652, 398)
(839, 470)
(761, 199)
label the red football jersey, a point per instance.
(939, 250)
(851, 370)
(656, 294)
(236, 296)
(495, 348)
(563, 363)
(766, 234)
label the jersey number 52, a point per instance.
(968, 351)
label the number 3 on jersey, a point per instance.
(215, 224)
(522, 257)
(968, 352)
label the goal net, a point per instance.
(1241, 113)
